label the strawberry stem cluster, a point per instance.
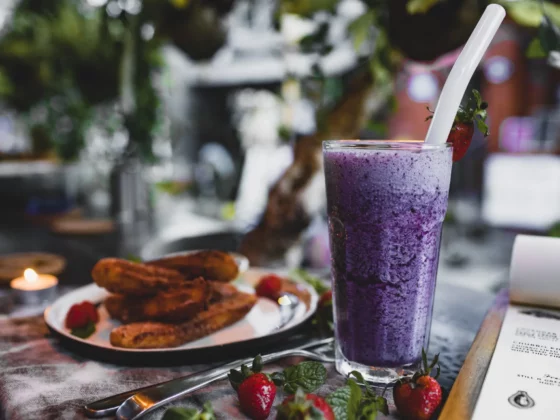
(476, 110)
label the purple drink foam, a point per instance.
(386, 210)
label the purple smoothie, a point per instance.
(386, 209)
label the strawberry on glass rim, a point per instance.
(461, 134)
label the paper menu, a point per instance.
(523, 380)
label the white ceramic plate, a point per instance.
(260, 324)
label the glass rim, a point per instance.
(410, 145)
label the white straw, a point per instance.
(461, 73)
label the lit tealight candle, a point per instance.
(33, 287)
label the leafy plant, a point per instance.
(306, 375)
(350, 402)
(60, 59)
(544, 16)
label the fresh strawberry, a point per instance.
(255, 390)
(91, 311)
(462, 131)
(303, 406)
(419, 396)
(76, 317)
(460, 136)
(325, 299)
(269, 286)
(81, 319)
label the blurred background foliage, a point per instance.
(60, 59)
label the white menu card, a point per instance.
(523, 380)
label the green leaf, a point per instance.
(315, 414)
(84, 332)
(278, 378)
(178, 413)
(530, 13)
(245, 371)
(354, 400)
(358, 376)
(378, 127)
(477, 97)
(368, 411)
(360, 29)
(134, 258)
(420, 6)
(257, 364)
(555, 230)
(535, 49)
(315, 282)
(338, 401)
(306, 375)
(207, 412)
(235, 378)
(306, 7)
(548, 36)
(482, 126)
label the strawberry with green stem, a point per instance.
(419, 396)
(255, 390)
(474, 112)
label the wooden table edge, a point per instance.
(464, 393)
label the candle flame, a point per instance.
(30, 275)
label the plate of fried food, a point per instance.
(193, 305)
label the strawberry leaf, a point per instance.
(306, 375)
(482, 126)
(477, 98)
(245, 371)
(257, 364)
(438, 371)
(278, 378)
(315, 414)
(434, 362)
(84, 332)
(235, 378)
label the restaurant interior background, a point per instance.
(138, 128)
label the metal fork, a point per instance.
(134, 404)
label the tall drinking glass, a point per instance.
(386, 203)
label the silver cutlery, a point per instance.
(134, 404)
